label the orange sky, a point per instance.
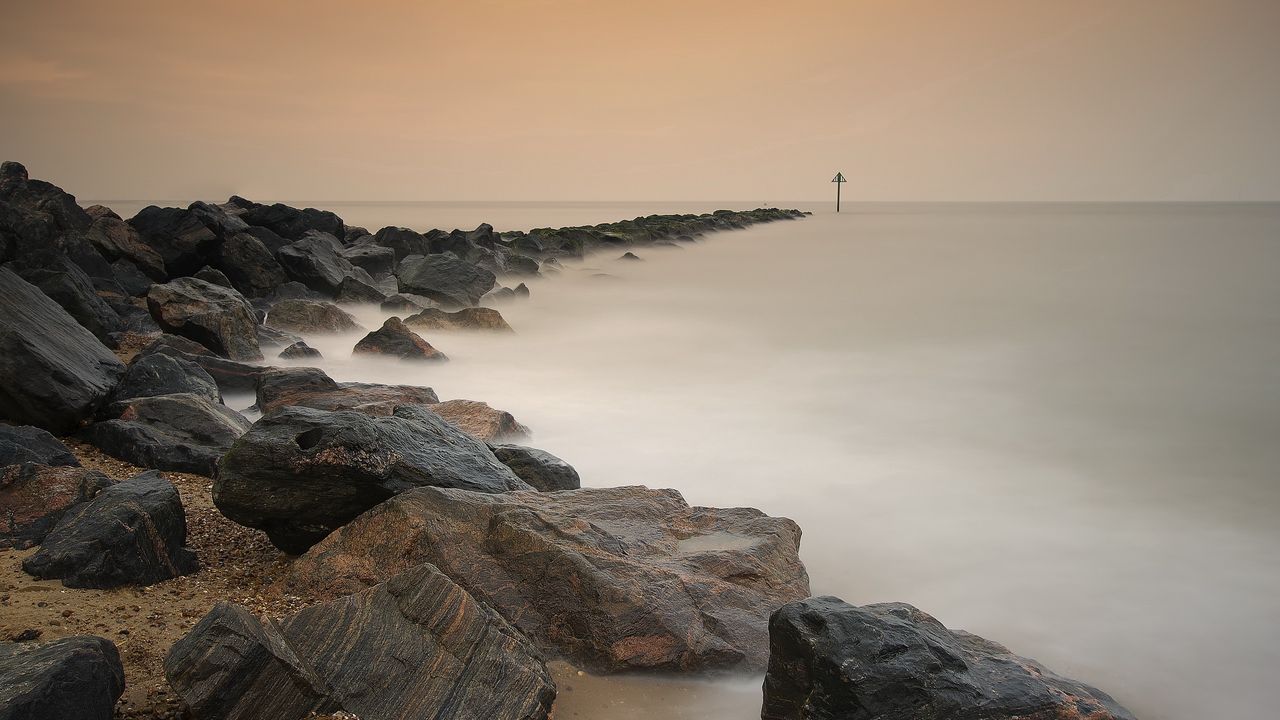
(568, 99)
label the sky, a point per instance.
(657, 100)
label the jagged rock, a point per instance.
(311, 316)
(299, 473)
(395, 339)
(53, 373)
(311, 387)
(611, 578)
(231, 376)
(78, 677)
(217, 219)
(629, 256)
(292, 223)
(132, 533)
(300, 351)
(182, 432)
(214, 276)
(250, 265)
(890, 661)
(464, 319)
(364, 654)
(517, 264)
(217, 317)
(314, 261)
(481, 421)
(178, 236)
(29, 444)
(375, 259)
(118, 240)
(66, 284)
(34, 498)
(402, 242)
(521, 291)
(150, 375)
(539, 468)
(355, 291)
(445, 279)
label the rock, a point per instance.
(402, 242)
(445, 279)
(181, 432)
(300, 351)
(375, 259)
(481, 421)
(299, 473)
(212, 275)
(132, 533)
(178, 236)
(270, 338)
(29, 444)
(464, 319)
(499, 296)
(150, 375)
(355, 291)
(34, 498)
(66, 284)
(395, 339)
(133, 281)
(250, 265)
(516, 264)
(311, 316)
(890, 661)
(76, 677)
(407, 303)
(294, 290)
(314, 261)
(629, 256)
(13, 170)
(217, 219)
(217, 317)
(269, 239)
(539, 468)
(53, 373)
(311, 387)
(231, 376)
(416, 647)
(292, 223)
(118, 240)
(610, 578)
(521, 291)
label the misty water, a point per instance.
(1057, 426)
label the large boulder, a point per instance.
(445, 278)
(66, 284)
(481, 421)
(299, 473)
(374, 259)
(354, 291)
(231, 376)
(465, 319)
(300, 351)
(415, 647)
(132, 533)
(178, 236)
(217, 317)
(612, 578)
(395, 339)
(830, 660)
(402, 242)
(76, 677)
(311, 316)
(539, 468)
(117, 240)
(292, 223)
(181, 432)
(314, 261)
(150, 375)
(250, 265)
(29, 444)
(311, 387)
(53, 373)
(34, 498)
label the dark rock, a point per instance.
(78, 677)
(354, 291)
(66, 284)
(133, 532)
(314, 261)
(445, 279)
(402, 242)
(355, 234)
(292, 223)
(464, 319)
(117, 240)
(221, 222)
(311, 387)
(13, 170)
(829, 659)
(516, 264)
(231, 376)
(375, 259)
(275, 338)
(521, 291)
(34, 498)
(481, 421)
(250, 265)
(499, 296)
(300, 351)
(269, 240)
(610, 578)
(215, 276)
(28, 444)
(53, 373)
(150, 375)
(135, 318)
(294, 290)
(629, 256)
(539, 468)
(133, 281)
(311, 316)
(217, 317)
(300, 473)
(178, 236)
(365, 654)
(182, 432)
(408, 304)
(395, 339)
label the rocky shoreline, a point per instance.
(368, 549)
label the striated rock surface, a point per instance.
(34, 497)
(71, 678)
(132, 533)
(182, 432)
(218, 318)
(830, 660)
(311, 316)
(611, 578)
(444, 278)
(311, 387)
(231, 376)
(30, 444)
(66, 284)
(416, 647)
(300, 473)
(464, 319)
(539, 468)
(481, 421)
(395, 339)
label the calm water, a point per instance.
(1055, 426)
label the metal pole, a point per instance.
(838, 196)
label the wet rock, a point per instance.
(76, 677)
(231, 376)
(311, 316)
(611, 578)
(314, 261)
(29, 444)
(217, 219)
(311, 387)
(178, 236)
(66, 284)
(300, 351)
(481, 421)
(464, 319)
(294, 290)
(539, 468)
(54, 373)
(299, 473)
(214, 276)
(150, 375)
(355, 291)
(402, 242)
(365, 655)
(444, 278)
(118, 240)
(132, 533)
(182, 432)
(395, 339)
(133, 281)
(34, 498)
(292, 223)
(250, 265)
(217, 317)
(890, 661)
(374, 259)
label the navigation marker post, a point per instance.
(838, 180)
